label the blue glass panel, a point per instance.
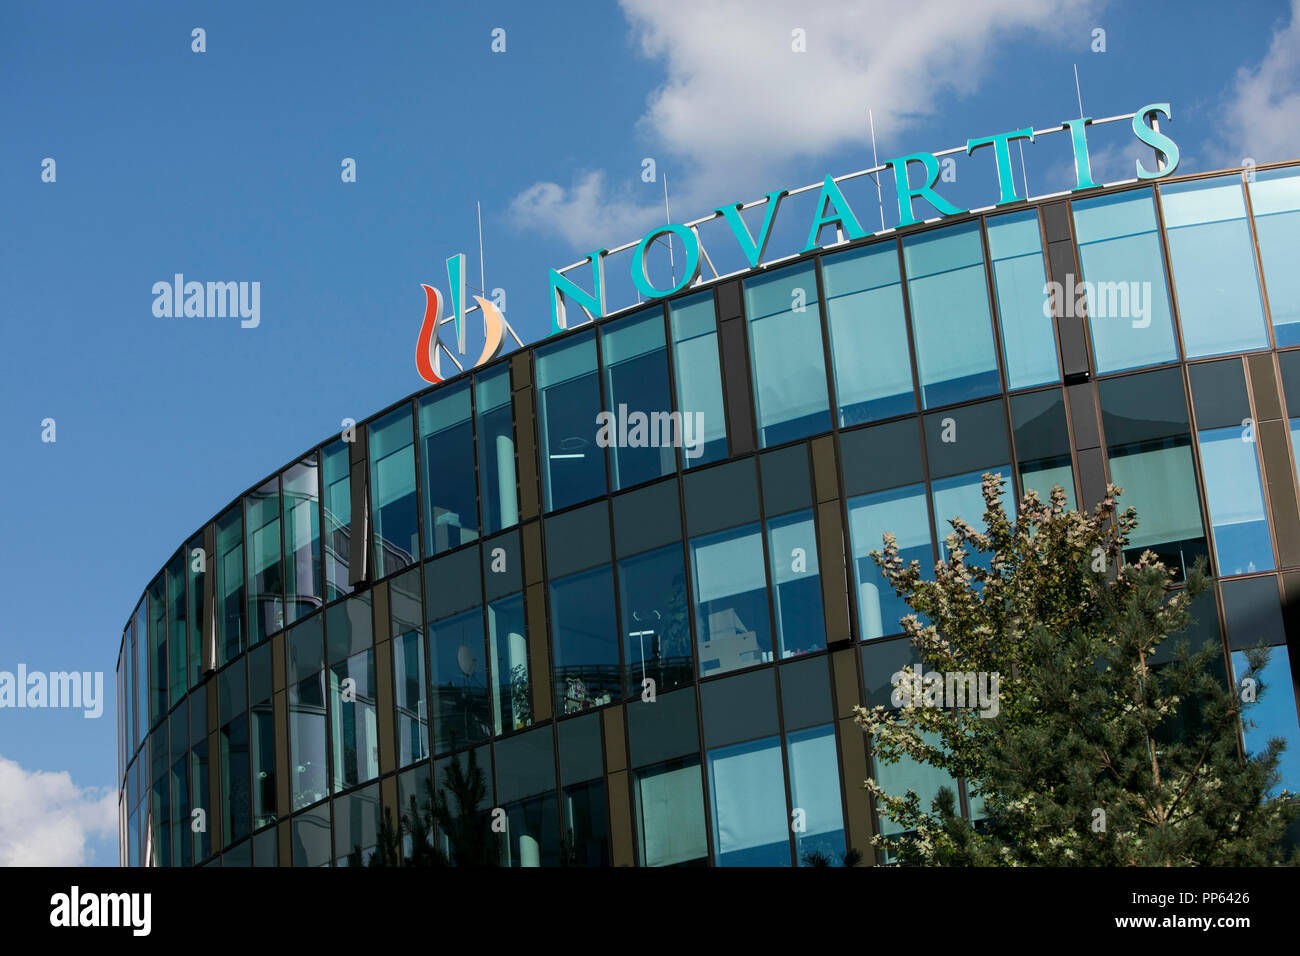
(568, 401)
(1213, 262)
(1019, 282)
(584, 640)
(903, 512)
(392, 489)
(731, 612)
(1273, 714)
(1275, 202)
(747, 799)
(786, 356)
(796, 582)
(868, 330)
(951, 326)
(637, 394)
(1127, 299)
(815, 790)
(698, 372)
(447, 460)
(1235, 493)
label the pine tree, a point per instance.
(1096, 751)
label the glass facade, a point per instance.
(636, 639)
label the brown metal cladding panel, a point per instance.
(1281, 490)
(532, 535)
(825, 476)
(278, 667)
(280, 714)
(388, 798)
(539, 658)
(853, 770)
(620, 820)
(737, 397)
(844, 666)
(384, 705)
(380, 628)
(526, 453)
(1083, 415)
(615, 742)
(284, 836)
(521, 372)
(727, 299)
(834, 574)
(1263, 387)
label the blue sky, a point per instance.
(225, 165)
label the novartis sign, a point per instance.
(832, 210)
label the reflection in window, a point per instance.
(1042, 444)
(584, 640)
(234, 778)
(815, 789)
(785, 351)
(1275, 202)
(263, 744)
(1128, 304)
(586, 836)
(868, 329)
(656, 625)
(307, 747)
(336, 488)
(796, 581)
(262, 533)
(747, 804)
(202, 842)
(1159, 481)
(157, 602)
(176, 634)
(1273, 714)
(1235, 494)
(301, 540)
(670, 814)
(353, 720)
(731, 612)
(910, 774)
(902, 512)
(568, 401)
(532, 832)
(698, 372)
(447, 460)
(392, 488)
(950, 315)
(1028, 345)
(1213, 263)
(460, 706)
(408, 692)
(511, 707)
(496, 450)
(636, 392)
(196, 604)
(230, 584)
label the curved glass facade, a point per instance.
(648, 642)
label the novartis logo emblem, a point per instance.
(429, 349)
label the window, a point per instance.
(644, 430)
(656, 623)
(196, 563)
(392, 490)
(230, 584)
(796, 583)
(511, 689)
(731, 614)
(950, 314)
(408, 670)
(699, 374)
(336, 484)
(460, 705)
(583, 801)
(670, 814)
(262, 543)
(815, 790)
(1146, 426)
(353, 720)
(786, 356)
(176, 634)
(1275, 202)
(233, 738)
(868, 330)
(747, 790)
(447, 460)
(301, 540)
(356, 827)
(1212, 259)
(1230, 468)
(1273, 714)
(1019, 284)
(1289, 365)
(262, 744)
(308, 750)
(1042, 444)
(1128, 303)
(526, 792)
(584, 640)
(568, 400)
(157, 603)
(496, 450)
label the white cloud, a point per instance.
(738, 104)
(47, 820)
(1263, 102)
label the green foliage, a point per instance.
(1100, 753)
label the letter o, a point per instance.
(692, 244)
